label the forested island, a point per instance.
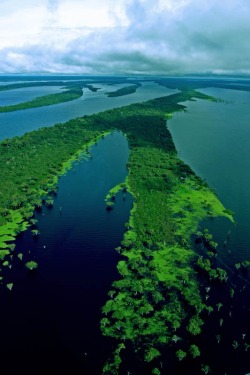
(73, 90)
(42, 101)
(124, 91)
(157, 298)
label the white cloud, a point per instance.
(20, 26)
(73, 14)
(29, 22)
(121, 36)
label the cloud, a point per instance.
(160, 37)
(53, 5)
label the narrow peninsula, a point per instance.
(157, 293)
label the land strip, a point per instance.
(157, 295)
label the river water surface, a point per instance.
(214, 139)
(52, 316)
(19, 122)
(10, 97)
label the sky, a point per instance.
(148, 37)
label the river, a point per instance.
(19, 122)
(51, 317)
(15, 96)
(214, 139)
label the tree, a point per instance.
(31, 265)
(10, 286)
(156, 371)
(175, 339)
(235, 344)
(205, 369)
(209, 309)
(194, 326)
(35, 232)
(218, 338)
(49, 201)
(151, 354)
(181, 354)
(194, 351)
(219, 306)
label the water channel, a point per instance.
(51, 317)
(214, 138)
(16, 96)
(19, 122)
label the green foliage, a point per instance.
(194, 351)
(35, 232)
(10, 286)
(246, 263)
(213, 272)
(194, 325)
(205, 369)
(156, 371)
(115, 190)
(151, 354)
(3, 254)
(229, 212)
(109, 205)
(181, 354)
(157, 292)
(49, 201)
(20, 85)
(31, 265)
(219, 306)
(30, 168)
(20, 256)
(92, 88)
(42, 101)
(112, 366)
(123, 91)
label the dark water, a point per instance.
(214, 139)
(50, 320)
(19, 122)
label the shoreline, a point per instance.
(157, 275)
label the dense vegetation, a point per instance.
(92, 88)
(12, 86)
(157, 293)
(74, 91)
(124, 91)
(45, 100)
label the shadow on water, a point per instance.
(50, 320)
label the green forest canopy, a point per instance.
(157, 293)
